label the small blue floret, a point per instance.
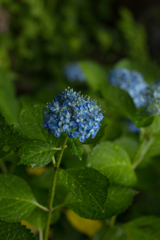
(131, 81)
(73, 114)
(74, 73)
(153, 99)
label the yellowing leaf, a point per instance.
(29, 226)
(37, 172)
(86, 226)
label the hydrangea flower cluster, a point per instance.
(73, 72)
(131, 81)
(153, 99)
(72, 113)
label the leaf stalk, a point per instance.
(53, 190)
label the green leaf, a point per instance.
(87, 184)
(129, 144)
(120, 100)
(119, 198)
(75, 147)
(43, 181)
(146, 228)
(15, 231)
(9, 105)
(30, 120)
(9, 139)
(38, 218)
(95, 74)
(112, 161)
(106, 233)
(37, 153)
(98, 136)
(16, 198)
(143, 119)
(155, 128)
(154, 149)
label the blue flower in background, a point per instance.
(131, 81)
(73, 114)
(153, 99)
(132, 128)
(74, 73)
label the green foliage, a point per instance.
(145, 227)
(143, 119)
(107, 233)
(119, 198)
(136, 49)
(120, 100)
(15, 231)
(87, 184)
(16, 198)
(37, 153)
(108, 158)
(9, 104)
(30, 120)
(38, 38)
(95, 74)
(75, 147)
(129, 144)
(38, 218)
(9, 140)
(98, 136)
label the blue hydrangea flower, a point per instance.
(73, 114)
(131, 81)
(153, 99)
(74, 73)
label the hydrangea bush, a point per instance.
(71, 164)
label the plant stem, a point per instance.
(40, 234)
(53, 190)
(42, 207)
(112, 221)
(143, 148)
(142, 152)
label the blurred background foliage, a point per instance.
(39, 37)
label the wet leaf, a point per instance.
(87, 184)
(146, 228)
(75, 147)
(119, 199)
(16, 198)
(30, 119)
(9, 139)
(15, 231)
(37, 153)
(113, 162)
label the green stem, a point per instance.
(42, 207)
(143, 148)
(142, 152)
(40, 234)
(112, 221)
(53, 190)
